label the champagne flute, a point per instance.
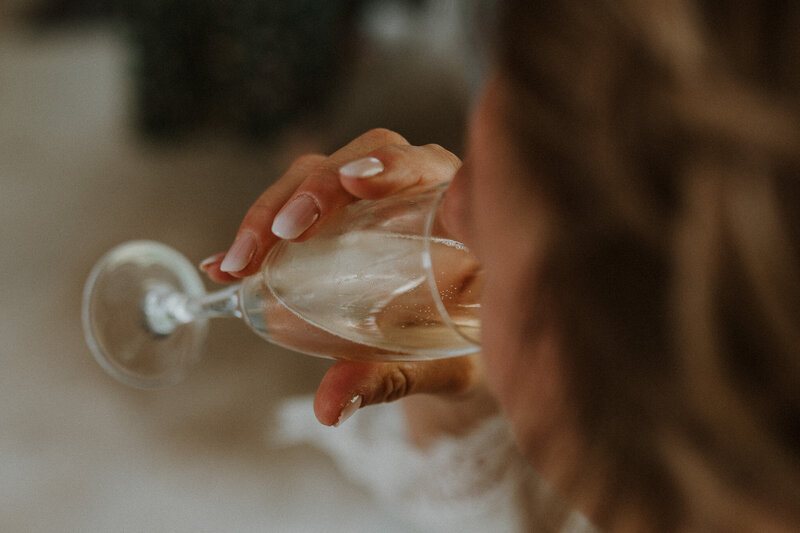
(382, 280)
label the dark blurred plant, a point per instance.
(246, 66)
(242, 66)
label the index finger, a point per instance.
(309, 192)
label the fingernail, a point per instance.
(362, 168)
(208, 261)
(349, 409)
(295, 218)
(240, 254)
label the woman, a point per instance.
(629, 187)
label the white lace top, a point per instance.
(478, 482)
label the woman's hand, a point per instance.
(376, 164)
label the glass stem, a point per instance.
(165, 309)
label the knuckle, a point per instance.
(391, 153)
(384, 136)
(307, 162)
(259, 210)
(322, 180)
(396, 384)
(446, 155)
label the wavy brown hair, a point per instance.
(665, 136)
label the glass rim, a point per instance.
(427, 262)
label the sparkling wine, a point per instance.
(364, 293)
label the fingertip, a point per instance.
(371, 177)
(245, 256)
(367, 167)
(240, 253)
(210, 266)
(332, 411)
(211, 261)
(393, 168)
(349, 409)
(342, 391)
(215, 274)
(251, 268)
(374, 187)
(296, 217)
(368, 189)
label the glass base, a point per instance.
(122, 338)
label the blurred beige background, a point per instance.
(80, 452)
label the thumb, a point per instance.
(350, 385)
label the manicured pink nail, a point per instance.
(362, 168)
(240, 254)
(295, 217)
(208, 261)
(349, 409)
